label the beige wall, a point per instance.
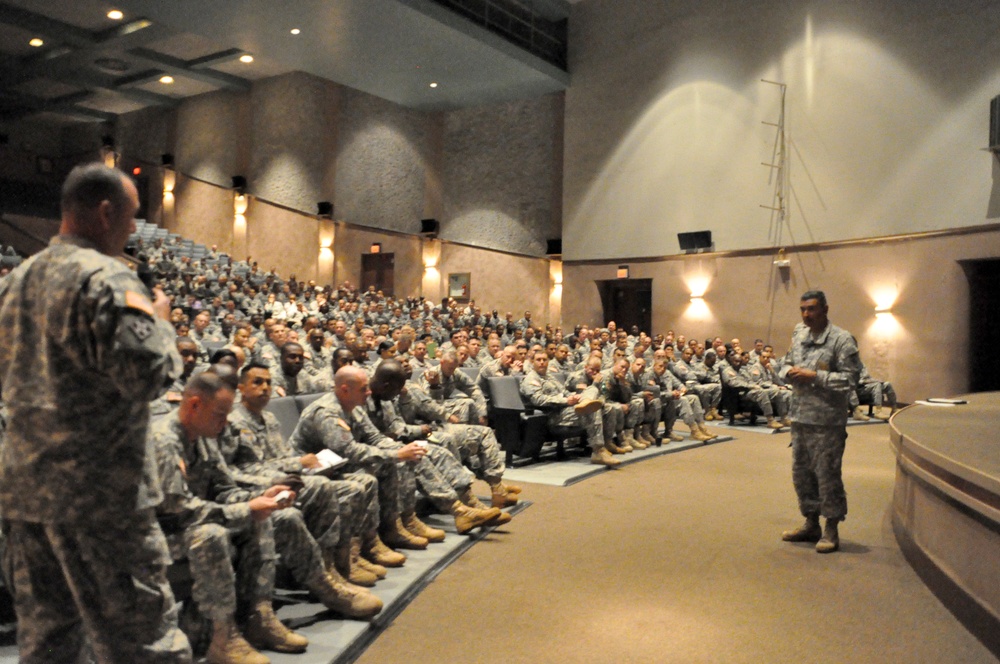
(922, 347)
(352, 242)
(887, 112)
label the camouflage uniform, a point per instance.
(652, 409)
(302, 383)
(474, 445)
(617, 393)
(438, 474)
(323, 424)
(697, 382)
(82, 356)
(548, 394)
(688, 407)
(459, 394)
(331, 511)
(749, 392)
(780, 399)
(206, 517)
(819, 417)
(612, 417)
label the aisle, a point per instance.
(679, 559)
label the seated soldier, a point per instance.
(224, 532)
(678, 403)
(446, 455)
(171, 399)
(502, 365)
(698, 382)
(780, 395)
(617, 391)
(560, 360)
(587, 383)
(565, 409)
(454, 390)
(876, 392)
(474, 445)
(644, 388)
(290, 380)
(335, 511)
(750, 394)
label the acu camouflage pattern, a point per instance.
(82, 356)
(80, 361)
(206, 517)
(548, 394)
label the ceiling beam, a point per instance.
(194, 68)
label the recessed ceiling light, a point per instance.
(166, 80)
(247, 58)
(116, 15)
(295, 31)
(36, 42)
(434, 85)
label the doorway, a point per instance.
(378, 270)
(628, 302)
(984, 323)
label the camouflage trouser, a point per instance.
(232, 568)
(612, 419)
(592, 423)
(636, 412)
(875, 393)
(478, 449)
(710, 394)
(781, 400)
(323, 516)
(104, 583)
(387, 472)
(299, 551)
(653, 410)
(817, 454)
(406, 485)
(462, 407)
(758, 398)
(358, 496)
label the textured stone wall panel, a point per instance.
(499, 175)
(383, 154)
(210, 128)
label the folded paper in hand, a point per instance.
(328, 461)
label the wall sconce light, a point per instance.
(169, 180)
(108, 154)
(324, 209)
(887, 309)
(376, 248)
(167, 160)
(240, 184)
(240, 204)
(697, 298)
(781, 262)
(623, 271)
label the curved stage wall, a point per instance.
(946, 505)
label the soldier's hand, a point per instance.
(426, 430)
(454, 419)
(161, 304)
(310, 461)
(262, 506)
(573, 399)
(411, 452)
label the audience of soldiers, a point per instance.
(404, 408)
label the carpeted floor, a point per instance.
(679, 559)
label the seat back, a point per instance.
(505, 393)
(302, 401)
(287, 412)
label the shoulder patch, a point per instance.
(136, 300)
(142, 328)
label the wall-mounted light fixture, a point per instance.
(623, 272)
(324, 209)
(108, 154)
(240, 184)
(376, 248)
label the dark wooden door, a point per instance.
(378, 270)
(628, 302)
(984, 323)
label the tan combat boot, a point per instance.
(637, 442)
(713, 414)
(830, 541)
(398, 537)
(627, 440)
(375, 550)
(673, 435)
(467, 518)
(501, 497)
(512, 488)
(345, 566)
(603, 458)
(229, 647)
(421, 529)
(610, 446)
(774, 424)
(786, 421)
(807, 532)
(647, 435)
(701, 427)
(860, 415)
(265, 632)
(588, 406)
(359, 560)
(347, 599)
(470, 499)
(698, 434)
